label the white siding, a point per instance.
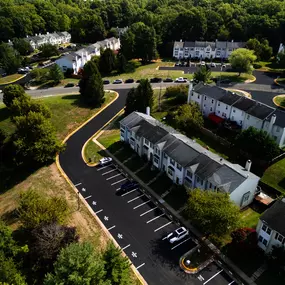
(197, 98)
(237, 115)
(209, 105)
(223, 110)
(250, 121)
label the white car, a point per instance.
(224, 66)
(118, 81)
(177, 235)
(213, 64)
(180, 80)
(203, 63)
(105, 161)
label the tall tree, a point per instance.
(241, 59)
(128, 44)
(121, 63)
(11, 92)
(91, 85)
(10, 59)
(55, 73)
(131, 102)
(77, 264)
(22, 46)
(48, 50)
(202, 74)
(107, 61)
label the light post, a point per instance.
(78, 201)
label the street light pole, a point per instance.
(78, 201)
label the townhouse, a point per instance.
(76, 60)
(271, 227)
(185, 161)
(204, 49)
(219, 105)
(50, 38)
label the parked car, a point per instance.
(69, 85)
(224, 66)
(168, 80)
(213, 64)
(129, 185)
(105, 161)
(130, 80)
(118, 81)
(177, 64)
(1, 91)
(155, 80)
(138, 81)
(177, 235)
(106, 81)
(203, 63)
(180, 80)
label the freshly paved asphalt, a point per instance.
(134, 221)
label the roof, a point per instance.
(274, 217)
(178, 44)
(213, 45)
(211, 91)
(189, 44)
(280, 118)
(260, 110)
(244, 104)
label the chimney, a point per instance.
(271, 123)
(148, 111)
(248, 165)
(190, 91)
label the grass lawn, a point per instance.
(177, 197)
(50, 83)
(9, 78)
(161, 184)
(125, 153)
(135, 163)
(279, 100)
(250, 218)
(147, 174)
(274, 175)
(233, 76)
(92, 152)
(281, 80)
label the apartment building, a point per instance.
(204, 49)
(271, 227)
(185, 161)
(219, 104)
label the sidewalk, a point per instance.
(173, 214)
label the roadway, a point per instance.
(137, 224)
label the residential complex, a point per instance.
(271, 226)
(185, 161)
(76, 60)
(203, 50)
(49, 38)
(219, 104)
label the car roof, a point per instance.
(181, 230)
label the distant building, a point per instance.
(219, 104)
(185, 161)
(121, 31)
(271, 227)
(76, 60)
(203, 50)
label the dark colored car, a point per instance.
(155, 80)
(106, 81)
(138, 81)
(69, 85)
(130, 80)
(168, 80)
(130, 185)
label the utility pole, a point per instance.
(78, 201)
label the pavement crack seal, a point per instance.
(83, 201)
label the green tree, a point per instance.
(266, 50)
(36, 209)
(128, 45)
(35, 139)
(48, 50)
(11, 92)
(40, 75)
(22, 46)
(258, 143)
(262, 49)
(91, 85)
(131, 102)
(55, 73)
(281, 59)
(77, 264)
(241, 59)
(121, 63)
(202, 74)
(107, 61)
(214, 212)
(254, 44)
(10, 59)
(117, 267)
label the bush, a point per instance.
(257, 65)
(174, 91)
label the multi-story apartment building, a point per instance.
(185, 161)
(271, 227)
(203, 50)
(218, 103)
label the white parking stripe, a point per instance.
(155, 218)
(101, 168)
(111, 228)
(99, 211)
(213, 277)
(119, 181)
(147, 211)
(135, 198)
(126, 247)
(118, 189)
(129, 192)
(180, 243)
(113, 176)
(109, 171)
(231, 283)
(162, 226)
(87, 197)
(140, 266)
(141, 204)
(77, 184)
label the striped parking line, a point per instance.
(126, 247)
(111, 228)
(99, 211)
(119, 181)
(113, 176)
(109, 171)
(141, 204)
(135, 198)
(140, 266)
(213, 277)
(162, 226)
(129, 192)
(101, 168)
(155, 218)
(179, 243)
(147, 211)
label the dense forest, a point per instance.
(89, 21)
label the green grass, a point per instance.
(50, 83)
(135, 163)
(233, 76)
(177, 197)
(161, 184)
(281, 80)
(109, 137)
(147, 174)
(280, 100)
(274, 175)
(93, 152)
(10, 78)
(124, 153)
(250, 218)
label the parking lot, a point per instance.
(139, 226)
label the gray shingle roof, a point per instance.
(189, 44)
(178, 44)
(274, 217)
(211, 91)
(260, 111)
(280, 118)
(244, 104)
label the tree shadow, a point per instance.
(282, 183)
(10, 217)
(78, 102)
(4, 114)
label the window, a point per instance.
(234, 110)
(233, 118)
(226, 107)
(248, 116)
(266, 229)
(151, 145)
(198, 179)
(218, 112)
(172, 161)
(170, 172)
(157, 151)
(205, 98)
(122, 130)
(211, 109)
(279, 237)
(219, 104)
(189, 174)
(146, 141)
(212, 101)
(165, 155)
(210, 185)
(155, 159)
(264, 241)
(178, 166)
(277, 129)
(198, 96)
(204, 105)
